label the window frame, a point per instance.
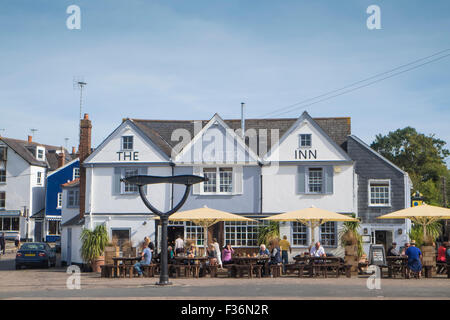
(76, 198)
(58, 228)
(307, 183)
(43, 153)
(300, 140)
(369, 192)
(334, 233)
(218, 181)
(3, 174)
(247, 239)
(124, 184)
(3, 199)
(122, 143)
(307, 239)
(59, 200)
(74, 175)
(39, 178)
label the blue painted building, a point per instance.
(53, 198)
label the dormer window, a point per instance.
(305, 140)
(76, 173)
(40, 153)
(127, 143)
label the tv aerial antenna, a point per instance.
(33, 131)
(79, 84)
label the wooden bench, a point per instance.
(212, 270)
(442, 268)
(276, 270)
(107, 271)
(149, 271)
(231, 269)
(244, 268)
(257, 270)
(126, 269)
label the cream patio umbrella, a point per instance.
(311, 217)
(424, 215)
(206, 217)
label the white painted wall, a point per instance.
(100, 197)
(107, 151)
(22, 189)
(280, 191)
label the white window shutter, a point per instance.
(197, 171)
(238, 180)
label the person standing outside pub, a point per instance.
(179, 245)
(219, 254)
(414, 259)
(285, 247)
(2, 243)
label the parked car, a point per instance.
(35, 254)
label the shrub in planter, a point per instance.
(93, 246)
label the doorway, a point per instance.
(383, 237)
(173, 232)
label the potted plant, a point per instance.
(268, 232)
(93, 246)
(350, 236)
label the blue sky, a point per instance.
(189, 59)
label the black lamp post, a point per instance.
(141, 181)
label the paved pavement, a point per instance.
(51, 284)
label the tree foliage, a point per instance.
(422, 156)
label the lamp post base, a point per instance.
(164, 283)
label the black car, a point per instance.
(35, 254)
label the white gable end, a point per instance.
(136, 148)
(216, 143)
(305, 142)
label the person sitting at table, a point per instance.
(405, 248)
(170, 254)
(146, 259)
(227, 253)
(393, 251)
(263, 251)
(317, 251)
(414, 259)
(442, 257)
(217, 248)
(212, 255)
(275, 252)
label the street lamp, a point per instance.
(141, 181)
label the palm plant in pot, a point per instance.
(268, 232)
(93, 246)
(350, 236)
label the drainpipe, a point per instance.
(242, 121)
(261, 190)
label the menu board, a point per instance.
(377, 255)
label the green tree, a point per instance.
(422, 156)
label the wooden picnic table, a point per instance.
(126, 261)
(397, 264)
(315, 265)
(250, 265)
(195, 266)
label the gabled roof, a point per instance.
(149, 135)
(362, 143)
(64, 166)
(160, 131)
(306, 117)
(217, 119)
(26, 150)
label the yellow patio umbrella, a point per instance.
(206, 217)
(424, 215)
(311, 217)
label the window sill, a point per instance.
(379, 206)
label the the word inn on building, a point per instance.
(279, 165)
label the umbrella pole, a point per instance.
(205, 238)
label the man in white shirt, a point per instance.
(179, 245)
(317, 251)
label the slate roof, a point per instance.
(75, 221)
(28, 150)
(160, 131)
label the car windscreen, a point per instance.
(32, 246)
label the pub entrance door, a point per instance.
(172, 233)
(383, 237)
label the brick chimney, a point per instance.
(30, 139)
(61, 158)
(84, 149)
